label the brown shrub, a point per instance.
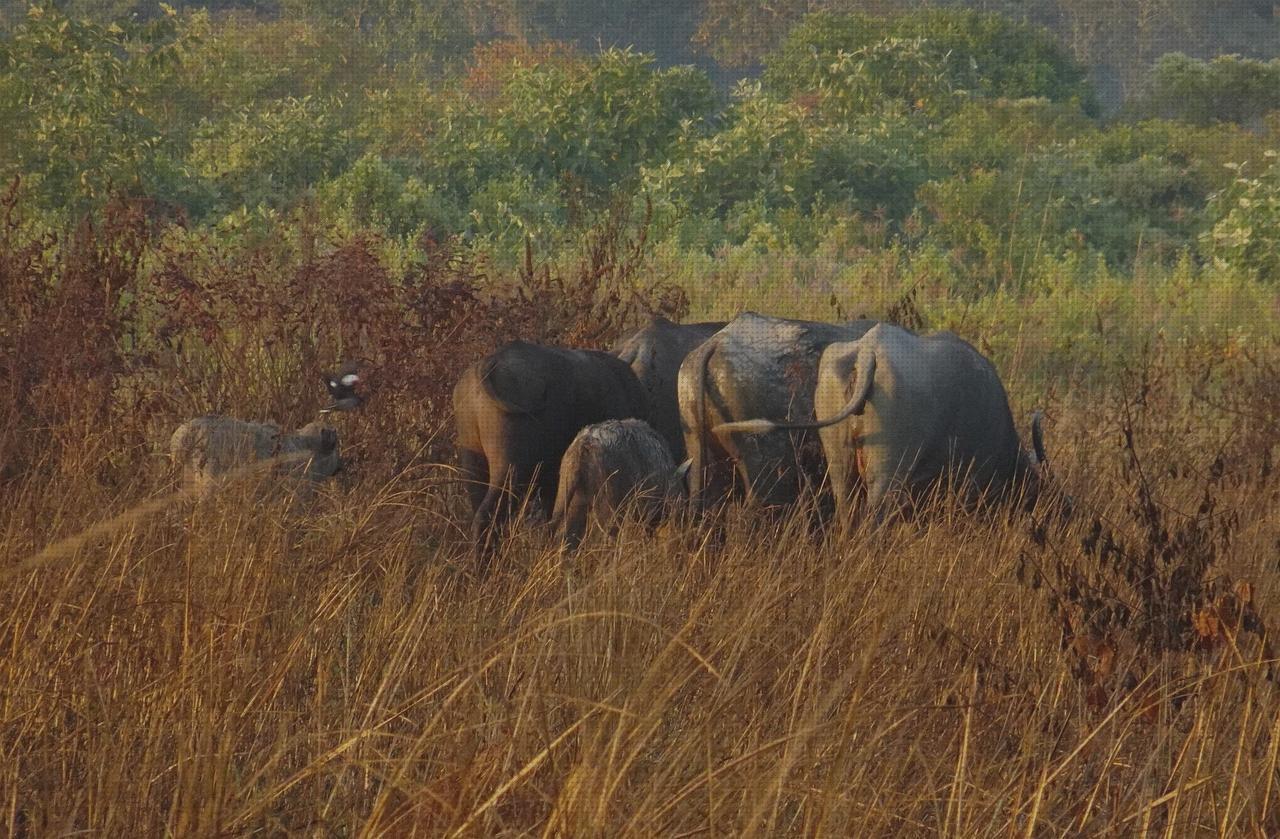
(120, 329)
(491, 65)
(1145, 592)
(65, 331)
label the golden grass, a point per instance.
(231, 667)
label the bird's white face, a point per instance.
(342, 390)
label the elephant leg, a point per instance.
(706, 483)
(973, 496)
(722, 482)
(825, 506)
(546, 481)
(484, 527)
(524, 492)
(695, 478)
(475, 474)
(881, 500)
(843, 488)
(576, 513)
(707, 516)
(711, 481)
(494, 513)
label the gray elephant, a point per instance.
(903, 413)
(517, 410)
(757, 366)
(612, 467)
(655, 354)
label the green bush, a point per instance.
(949, 134)
(265, 156)
(990, 55)
(375, 194)
(1246, 232)
(532, 139)
(589, 127)
(1227, 88)
(994, 134)
(1061, 201)
(75, 119)
(760, 154)
(506, 210)
(239, 63)
(922, 60)
(773, 157)
(1204, 150)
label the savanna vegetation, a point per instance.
(206, 207)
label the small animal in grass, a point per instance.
(208, 449)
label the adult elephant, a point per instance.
(655, 353)
(757, 366)
(517, 410)
(904, 413)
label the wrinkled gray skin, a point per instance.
(609, 467)
(655, 354)
(206, 448)
(902, 413)
(757, 366)
(517, 410)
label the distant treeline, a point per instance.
(1117, 40)
(974, 141)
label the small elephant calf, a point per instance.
(609, 465)
(206, 448)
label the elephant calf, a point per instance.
(610, 465)
(207, 448)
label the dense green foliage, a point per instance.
(1227, 89)
(1116, 39)
(858, 64)
(1247, 234)
(939, 134)
(76, 106)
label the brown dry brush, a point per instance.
(66, 335)
(1143, 598)
(601, 296)
(415, 332)
(121, 330)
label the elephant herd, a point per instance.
(865, 417)
(762, 407)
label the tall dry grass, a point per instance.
(226, 669)
(234, 666)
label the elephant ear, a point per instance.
(517, 387)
